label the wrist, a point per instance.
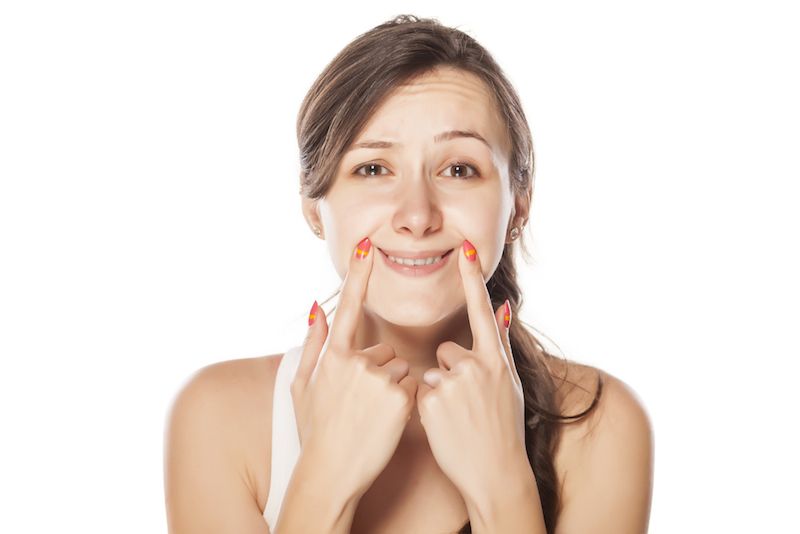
(328, 475)
(512, 482)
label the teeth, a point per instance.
(417, 262)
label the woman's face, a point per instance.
(416, 192)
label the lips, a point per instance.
(415, 255)
(417, 270)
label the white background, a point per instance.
(150, 225)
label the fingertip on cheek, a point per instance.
(469, 251)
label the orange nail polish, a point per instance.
(469, 251)
(507, 316)
(312, 315)
(362, 249)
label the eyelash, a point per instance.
(476, 172)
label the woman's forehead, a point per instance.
(430, 105)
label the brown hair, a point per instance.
(334, 111)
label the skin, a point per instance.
(419, 201)
(415, 198)
(221, 418)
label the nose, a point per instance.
(418, 212)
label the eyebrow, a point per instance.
(444, 136)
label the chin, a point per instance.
(408, 320)
(410, 313)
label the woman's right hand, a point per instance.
(351, 406)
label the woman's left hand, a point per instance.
(471, 406)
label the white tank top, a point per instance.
(285, 440)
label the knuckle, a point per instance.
(469, 366)
(497, 368)
(429, 402)
(447, 385)
(446, 349)
(387, 377)
(448, 345)
(329, 365)
(360, 362)
(383, 347)
(399, 396)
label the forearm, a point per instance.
(509, 503)
(314, 503)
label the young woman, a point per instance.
(424, 406)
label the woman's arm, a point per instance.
(311, 489)
(204, 479)
(609, 483)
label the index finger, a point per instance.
(479, 305)
(354, 287)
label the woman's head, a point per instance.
(408, 83)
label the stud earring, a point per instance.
(514, 233)
(317, 231)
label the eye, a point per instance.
(371, 169)
(461, 169)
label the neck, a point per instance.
(415, 344)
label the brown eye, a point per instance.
(461, 170)
(372, 169)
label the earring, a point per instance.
(317, 231)
(514, 233)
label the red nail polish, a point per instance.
(312, 315)
(362, 249)
(507, 316)
(469, 251)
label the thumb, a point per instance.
(313, 343)
(432, 377)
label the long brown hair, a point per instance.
(338, 105)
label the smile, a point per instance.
(415, 266)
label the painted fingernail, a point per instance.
(362, 249)
(312, 315)
(507, 315)
(469, 251)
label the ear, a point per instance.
(522, 208)
(310, 209)
(520, 212)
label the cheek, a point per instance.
(483, 222)
(345, 227)
(480, 219)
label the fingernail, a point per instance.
(507, 316)
(312, 315)
(362, 249)
(469, 251)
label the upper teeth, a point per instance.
(419, 261)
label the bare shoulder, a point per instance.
(220, 421)
(604, 460)
(618, 407)
(238, 389)
(234, 380)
